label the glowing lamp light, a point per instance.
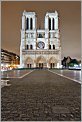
(7, 65)
(2, 64)
(80, 65)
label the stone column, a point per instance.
(23, 22)
(56, 23)
(34, 65)
(34, 23)
(46, 22)
(47, 65)
(46, 26)
(29, 23)
(34, 44)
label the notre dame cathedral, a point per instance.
(40, 48)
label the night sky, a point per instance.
(69, 25)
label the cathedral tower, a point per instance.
(40, 48)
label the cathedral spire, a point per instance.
(24, 12)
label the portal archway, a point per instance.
(41, 62)
(29, 62)
(53, 62)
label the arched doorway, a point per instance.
(52, 62)
(41, 62)
(29, 62)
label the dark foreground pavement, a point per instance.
(41, 96)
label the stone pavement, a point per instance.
(41, 96)
(71, 74)
(14, 73)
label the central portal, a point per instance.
(41, 62)
(41, 65)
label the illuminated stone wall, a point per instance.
(40, 48)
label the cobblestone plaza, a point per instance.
(41, 96)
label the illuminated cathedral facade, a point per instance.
(40, 48)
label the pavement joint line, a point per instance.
(65, 77)
(26, 74)
(21, 76)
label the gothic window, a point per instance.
(49, 46)
(31, 47)
(49, 23)
(40, 36)
(27, 24)
(31, 24)
(53, 24)
(27, 47)
(49, 35)
(53, 46)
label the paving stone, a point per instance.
(63, 115)
(60, 109)
(71, 115)
(41, 96)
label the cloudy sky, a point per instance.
(69, 17)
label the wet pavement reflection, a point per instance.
(14, 73)
(73, 74)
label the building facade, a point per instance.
(9, 60)
(9, 57)
(40, 48)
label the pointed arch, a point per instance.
(31, 46)
(53, 24)
(53, 60)
(41, 59)
(49, 23)
(28, 60)
(54, 47)
(49, 46)
(27, 23)
(31, 23)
